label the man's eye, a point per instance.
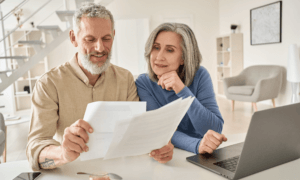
(90, 40)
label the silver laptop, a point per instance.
(272, 139)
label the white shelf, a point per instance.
(22, 95)
(40, 62)
(232, 61)
(22, 102)
(224, 66)
(28, 79)
(223, 51)
(17, 46)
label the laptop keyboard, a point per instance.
(229, 164)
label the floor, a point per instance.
(235, 122)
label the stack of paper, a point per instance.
(102, 116)
(136, 134)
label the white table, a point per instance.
(145, 168)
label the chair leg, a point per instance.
(232, 105)
(254, 106)
(273, 101)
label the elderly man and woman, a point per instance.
(61, 95)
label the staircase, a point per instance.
(9, 76)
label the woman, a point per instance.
(174, 71)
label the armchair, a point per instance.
(254, 84)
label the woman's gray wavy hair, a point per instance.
(190, 51)
(90, 9)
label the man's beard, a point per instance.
(91, 67)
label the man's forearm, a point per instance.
(51, 157)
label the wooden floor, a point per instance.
(235, 122)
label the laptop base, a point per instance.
(207, 160)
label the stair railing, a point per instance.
(13, 10)
(28, 32)
(10, 32)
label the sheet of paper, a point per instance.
(148, 131)
(102, 116)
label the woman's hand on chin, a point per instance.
(170, 81)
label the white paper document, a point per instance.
(102, 116)
(148, 131)
(129, 130)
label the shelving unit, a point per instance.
(229, 58)
(22, 96)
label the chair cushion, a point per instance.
(241, 90)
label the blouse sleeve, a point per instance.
(204, 112)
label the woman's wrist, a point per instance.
(179, 88)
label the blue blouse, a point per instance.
(202, 115)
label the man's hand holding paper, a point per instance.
(75, 139)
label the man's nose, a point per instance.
(99, 46)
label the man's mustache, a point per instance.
(98, 53)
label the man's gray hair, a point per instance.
(190, 51)
(90, 9)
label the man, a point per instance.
(61, 95)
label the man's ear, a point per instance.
(73, 38)
(114, 35)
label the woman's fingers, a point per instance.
(161, 82)
(169, 86)
(216, 141)
(211, 141)
(166, 82)
(163, 154)
(167, 148)
(171, 81)
(163, 158)
(205, 149)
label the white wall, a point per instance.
(130, 38)
(204, 13)
(238, 12)
(63, 53)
